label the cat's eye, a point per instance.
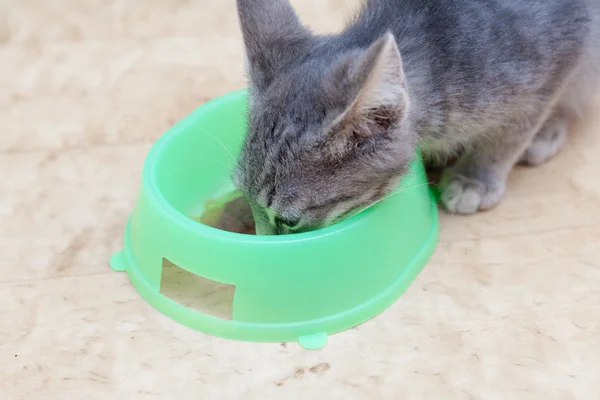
(287, 222)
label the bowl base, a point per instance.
(313, 342)
(118, 262)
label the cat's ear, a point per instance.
(373, 92)
(380, 76)
(274, 38)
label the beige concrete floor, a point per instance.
(508, 308)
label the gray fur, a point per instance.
(334, 120)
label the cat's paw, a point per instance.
(463, 195)
(547, 143)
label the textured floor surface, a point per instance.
(508, 308)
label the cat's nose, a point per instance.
(284, 224)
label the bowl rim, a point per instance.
(155, 195)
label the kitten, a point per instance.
(334, 121)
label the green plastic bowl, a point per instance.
(300, 287)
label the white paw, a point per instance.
(462, 195)
(545, 146)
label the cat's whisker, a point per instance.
(415, 175)
(431, 203)
(401, 191)
(220, 143)
(229, 167)
(425, 145)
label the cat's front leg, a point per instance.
(477, 181)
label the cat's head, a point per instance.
(328, 131)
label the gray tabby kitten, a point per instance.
(335, 120)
